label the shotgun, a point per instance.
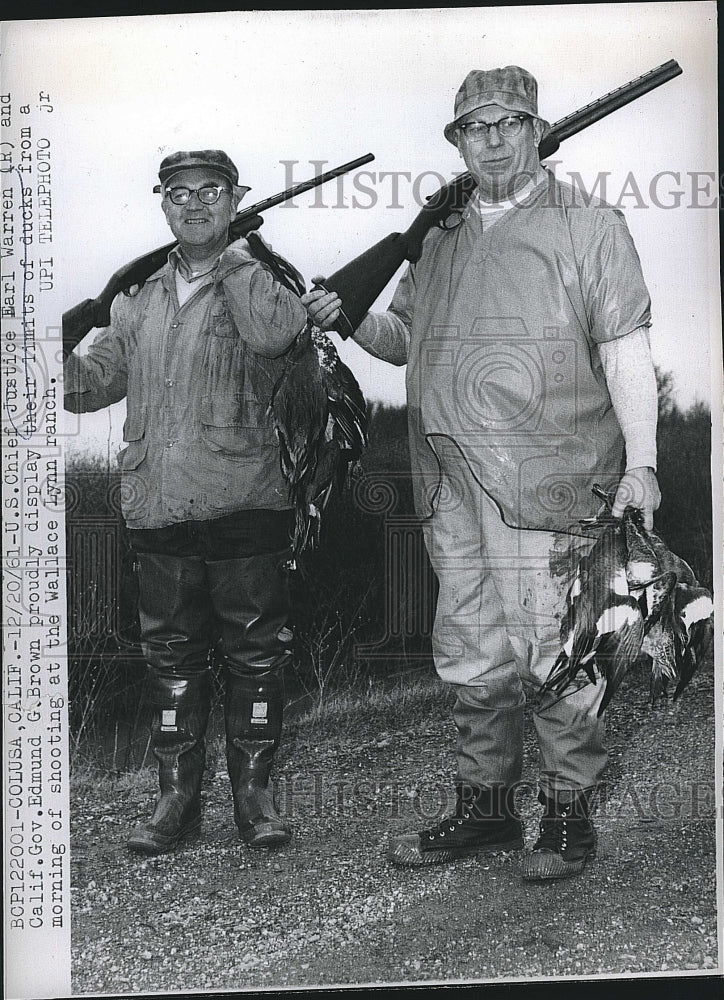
(359, 283)
(80, 319)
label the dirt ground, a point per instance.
(329, 909)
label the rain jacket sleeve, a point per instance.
(267, 315)
(386, 335)
(618, 308)
(612, 282)
(100, 377)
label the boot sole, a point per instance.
(541, 868)
(406, 856)
(151, 845)
(265, 838)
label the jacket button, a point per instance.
(168, 382)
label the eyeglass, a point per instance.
(507, 127)
(209, 194)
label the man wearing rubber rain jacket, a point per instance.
(524, 328)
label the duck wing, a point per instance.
(320, 417)
(599, 584)
(656, 597)
(299, 410)
(576, 619)
(605, 584)
(346, 403)
(669, 562)
(314, 494)
(663, 649)
(694, 609)
(621, 632)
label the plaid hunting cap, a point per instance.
(214, 159)
(511, 87)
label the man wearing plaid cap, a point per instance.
(196, 353)
(524, 328)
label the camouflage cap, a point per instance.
(213, 159)
(511, 87)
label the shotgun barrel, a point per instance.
(295, 189)
(360, 282)
(606, 105)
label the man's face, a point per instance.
(200, 229)
(500, 165)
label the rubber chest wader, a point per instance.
(253, 599)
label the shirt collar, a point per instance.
(484, 207)
(178, 262)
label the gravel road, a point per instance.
(329, 909)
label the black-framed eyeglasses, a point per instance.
(507, 127)
(208, 194)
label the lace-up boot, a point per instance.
(484, 821)
(567, 837)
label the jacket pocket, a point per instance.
(134, 432)
(232, 395)
(221, 325)
(236, 425)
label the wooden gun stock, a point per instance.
(360, 282)
(91, 313)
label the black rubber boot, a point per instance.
(253, 712)
(567, 837)
(484, 821)
(181, 713)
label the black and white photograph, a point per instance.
(362, 500)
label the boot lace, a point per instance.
(554, 835)
(559, 831)
(448, 824)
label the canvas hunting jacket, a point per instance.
(197, 380)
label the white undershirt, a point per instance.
(185, 289)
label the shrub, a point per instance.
(363, 602)
(684, 472)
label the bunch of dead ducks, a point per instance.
(631, 599)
